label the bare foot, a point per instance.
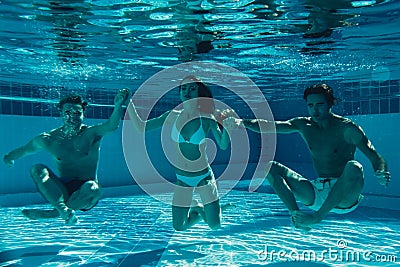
(40, 214)
(69, 216)
(198, 208)
(195, 206)
(304, 221)
(295, 224)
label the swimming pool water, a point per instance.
(137, 231)
(49, 48)
(101, 45)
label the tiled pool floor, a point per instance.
(137, 231)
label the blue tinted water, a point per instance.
(48, 48)
(282, 45)
(137, 231)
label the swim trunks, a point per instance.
(322, 188)
(73, 185)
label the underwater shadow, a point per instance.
(33, 256)
(151, 258)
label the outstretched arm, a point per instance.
(112, 123)
(265, 126)
(356, 136)
(33, 146)
(135, 118)
(148, 125)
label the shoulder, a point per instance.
(300, 122)
(348, 124)
(343, 120)
(50, 134)
(208, 118)
(167, 117)
(46, 135)
(353, 133)
(45, 138)
(92, 131)
(208, 121)
(87, 129)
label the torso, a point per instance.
(75, 157)
(330, 149)
(194, 161)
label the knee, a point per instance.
(274, 172)
(353, 171)
(91, 188)
(39, 172)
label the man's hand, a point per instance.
(8, 161)
(122, 97)
(383, 177)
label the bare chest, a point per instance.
(67, 149)
(327, 143)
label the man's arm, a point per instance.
(113, 122)
(33, 146)
(355, 135)
(148, 125)
(265, 126)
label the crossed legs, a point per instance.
(55, 192)
(290, 186)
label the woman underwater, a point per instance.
(190, 127)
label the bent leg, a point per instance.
(183, 215)
(344, 194)
(212, 209)
(349, 188)
(290, 186)
(53, 190)
(85, 197)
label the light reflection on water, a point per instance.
(138, 230)
(122, 43)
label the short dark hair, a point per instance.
(323, 89)
(207, 103)
(72, 99)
